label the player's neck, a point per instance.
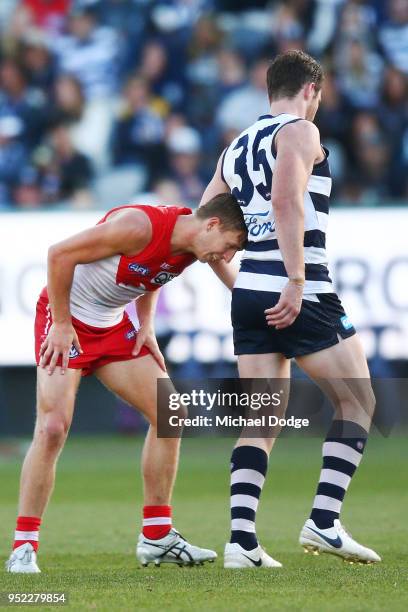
(289, 107)
(182, 238)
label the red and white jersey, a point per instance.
(101, 289)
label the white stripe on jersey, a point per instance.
(311, 254)
(319, 184)
(96, 299)
(269, 282)
(323, 220)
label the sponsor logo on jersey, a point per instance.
(256, 225)
(162, 278)
(345, 321)
(73, 352)
(166, 266)
(138, 269)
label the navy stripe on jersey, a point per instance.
(313, 238)
(313, 272)
(320, 202)
(222, 165)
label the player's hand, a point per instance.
(146, 336)
(59, 341)
(287, 309)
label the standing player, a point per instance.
(283, 305)
(81, 328)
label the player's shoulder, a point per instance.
(301, 128)
(132, 218)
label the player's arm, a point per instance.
(127, 233)
(298, 147)
(145, 309)
(226, 272)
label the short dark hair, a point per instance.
(226, 208)
(289, 72)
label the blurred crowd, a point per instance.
(101, 100)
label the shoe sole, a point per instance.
(310, 546)
(157, 562)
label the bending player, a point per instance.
(81, 328)
(284, 306)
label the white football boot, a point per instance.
(173, 548)
(236, 557)
(23, 560)
(337, 541)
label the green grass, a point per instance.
(90, 529)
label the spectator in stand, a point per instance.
(12, 157)
(66, 173)
(89, 52)
(231, 72)
(393, 116)
(359, 75)
(19, 100)
(370, 161)
(37, 61)
(88, 123)
(139, 131)
(393, 35)
(184, 148)
(27, 193)
(168, 89)
(243, 106)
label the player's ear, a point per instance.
(212, 222)
(309, 91)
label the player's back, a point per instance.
(247, 168)
(101, 289)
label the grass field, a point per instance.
(90, 529)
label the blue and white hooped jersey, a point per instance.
(247, 168)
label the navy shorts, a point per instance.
(317, 326)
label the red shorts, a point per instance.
(100, 345)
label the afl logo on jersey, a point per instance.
(162, 278)
(138, 269)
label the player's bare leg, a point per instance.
(249, 463)
(342, 373)
(135, 381)
(55, 407)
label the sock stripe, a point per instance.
(248, 469)
(331, 490)
(244, 500)
(342, 451)
(242, 525)
(249, 457)
(240, 512)
(158, 520)
(246, 488)
(26, 535)
(322, 502)
(339, 465)
(335, 477)
(244, 475)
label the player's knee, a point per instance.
(53, 431)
